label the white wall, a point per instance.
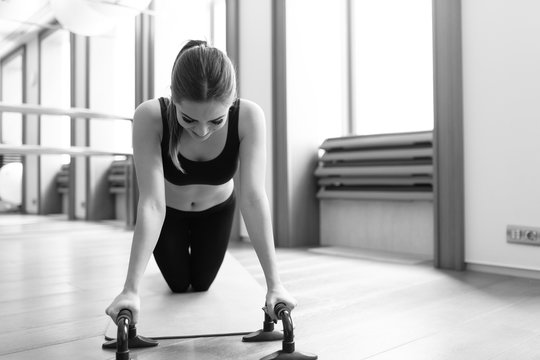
(501, 71)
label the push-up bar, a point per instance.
(127, 336)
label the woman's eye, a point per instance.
(189, 121)
(217, 122)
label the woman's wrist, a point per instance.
(274, 285)
(130, 287)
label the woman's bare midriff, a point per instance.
(196, 197)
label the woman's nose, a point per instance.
(202, 130)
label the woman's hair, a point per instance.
(200, 73)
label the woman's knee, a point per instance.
(200, 286)
(178, 287)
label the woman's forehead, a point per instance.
(206, 111)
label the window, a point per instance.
(316, 68)
(112, 85)
(12, 93)
(55, 89)
(392, 66)
(180, 21)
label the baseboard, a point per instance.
(504, 270)
(372, 255)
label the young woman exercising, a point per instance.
(186, 151)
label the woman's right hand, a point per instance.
(125, 300)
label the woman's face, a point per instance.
(201, 119)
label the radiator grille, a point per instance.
(386, 167)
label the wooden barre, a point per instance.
(50, 150)
(71, 112)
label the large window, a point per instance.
(12, 93)
(55, 88)
(392, 66)
(112, 85)
(316, 68)
(176, 23)
(54, 91)
(359, 67)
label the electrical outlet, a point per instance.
(523, 235)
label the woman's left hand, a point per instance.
(276, 295)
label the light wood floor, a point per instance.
(57, 277)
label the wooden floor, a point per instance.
(57, 277)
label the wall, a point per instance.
(404, 227)
(501, 72)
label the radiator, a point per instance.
(377, 167)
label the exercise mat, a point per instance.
(231, 306)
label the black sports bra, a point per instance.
(216, 171)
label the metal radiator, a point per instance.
(377, 167)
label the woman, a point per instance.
(186, 151)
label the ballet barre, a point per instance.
(71, 112)
(51, 150)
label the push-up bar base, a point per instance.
(288, 351)
(267, 333)
(127, 337)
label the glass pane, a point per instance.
(316, 68)
(11, 169)
(112, 86)
(176, 23)
(393, 67)
(12, 93)
(55, 89)
(219, 24)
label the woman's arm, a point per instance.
(151, 206)
(254, 201)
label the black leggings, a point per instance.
(192, 245)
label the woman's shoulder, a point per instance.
(148, 114)
(251, 122)
(249, 108)
(148, 108)
(250, 117)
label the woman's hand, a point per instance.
(276, 295)
(125, 300)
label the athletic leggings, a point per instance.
(192, 245)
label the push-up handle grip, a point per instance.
(288, 351)
(127, 337)
(123, 321)
(267, 333)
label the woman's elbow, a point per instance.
(252, 198)
(151, 207)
